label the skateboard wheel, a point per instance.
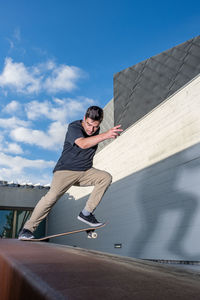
(94, 235)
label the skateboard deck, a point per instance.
(90, 233)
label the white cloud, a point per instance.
(47, 77)
(77, 106)
(15, 38)
(8, 147)
(61, 110)
(36, 110)
(17, 76)
(17, 163)
(63, 78)
(17, 34)
(12, 107)
(13, 122)
(16, 169)
(51, 140)
(12, 148)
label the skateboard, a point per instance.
(91, 234)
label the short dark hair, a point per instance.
(95, 113)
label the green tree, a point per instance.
(7, 229)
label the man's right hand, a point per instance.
(113, 133)
(91, 141)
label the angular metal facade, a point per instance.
(142, 87)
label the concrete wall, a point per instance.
(153, 205)
(20, 197)
(107, 123)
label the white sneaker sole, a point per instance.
(25, 238)
(91, 224)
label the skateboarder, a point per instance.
(75, 167)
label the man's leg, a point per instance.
(61, 182)
(101, 181)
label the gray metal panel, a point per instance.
(20, 197)
(140, 88)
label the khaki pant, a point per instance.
(61, 182)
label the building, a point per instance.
(16, 205)
(153, 204)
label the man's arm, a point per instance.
(91, 141)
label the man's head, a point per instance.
(92, 119)
(95, 113)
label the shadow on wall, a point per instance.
(64, 214)
(154, 213)
(168, 208)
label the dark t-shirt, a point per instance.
(73, 157)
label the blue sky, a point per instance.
(58, 57)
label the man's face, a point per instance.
(90, 126)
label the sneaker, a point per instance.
(90, 220)
(25, 234)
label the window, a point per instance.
(6, 221)
(13, 220)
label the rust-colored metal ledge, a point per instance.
(38, 271)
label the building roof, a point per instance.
(24, 184)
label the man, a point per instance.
(75, 168)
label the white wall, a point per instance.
(153, 205)
(108, 122)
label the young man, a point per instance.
(75, 168)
